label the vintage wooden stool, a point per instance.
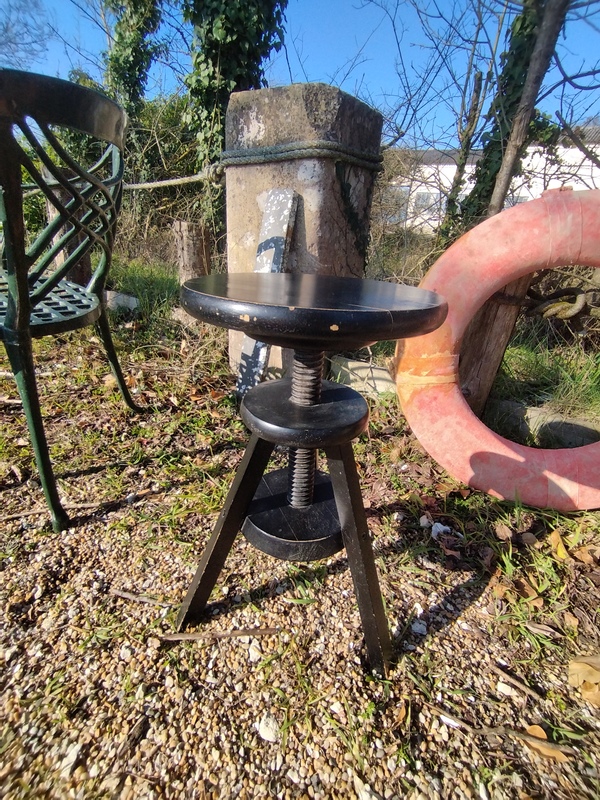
(299, 513)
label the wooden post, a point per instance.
(81, 272)
(193, 249)
(486, 339)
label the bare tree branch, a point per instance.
(24, 31)
(578, 141)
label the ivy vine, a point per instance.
(133, 49)
(232, 40)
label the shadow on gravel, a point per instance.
(449, 608)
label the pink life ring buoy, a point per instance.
(559, 229)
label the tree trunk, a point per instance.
(487, 336)
(552, 23)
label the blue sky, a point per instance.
(349, 43)
(334, 41)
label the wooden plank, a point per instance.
(271, 256)
(485, 341)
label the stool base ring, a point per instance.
(293, 534)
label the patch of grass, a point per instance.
(156, 285)
(165, 475)
(541, 368)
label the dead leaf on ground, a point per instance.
(503, 532)
(448, 545)
(543, 630)
(591, 693)
(529, 539)
(558, 548)
(584, 672)
(401, 711)
(500, 589)
(585, 554)
(16, 472)
(487, 556)
(584, 668)
(542, 748)
(595, 577)
(527, 592)
(570, 620)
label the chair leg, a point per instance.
(20, 356)
(355, 533)
(230, 520)
(104, 330)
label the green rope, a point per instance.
(297, 150)
(213, 173)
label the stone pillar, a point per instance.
(322, 143)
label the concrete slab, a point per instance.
(365, 377)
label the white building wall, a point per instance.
(419, 202)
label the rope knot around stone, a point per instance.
(303, 149)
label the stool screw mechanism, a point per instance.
(307, 374)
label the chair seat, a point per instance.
(67, 307)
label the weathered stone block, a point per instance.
(334, 175)
(332, 226)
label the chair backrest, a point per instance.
(61, 145)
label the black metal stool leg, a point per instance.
(348, 498)
(242, 491)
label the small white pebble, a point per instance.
(255, 652)
(268, 728)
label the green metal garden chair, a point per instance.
(61, 144)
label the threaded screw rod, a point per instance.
(307, 374)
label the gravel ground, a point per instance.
(273, 697)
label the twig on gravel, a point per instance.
(140, 598)
(190, 637)
(10, 517)
(66, 506)
(100, 506)
(501, 730)
(44, 510)
(516, 682)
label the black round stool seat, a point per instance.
(323, 312)
(341, 415)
